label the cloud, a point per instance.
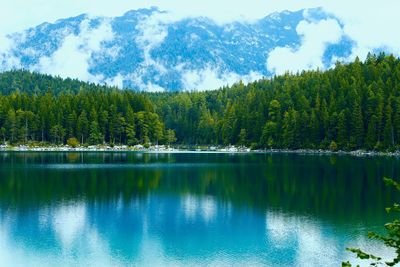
(208, 78)
(153, 31)
(137, 79)
(211, 78)
(68, 222)
(151, 87)
(371, 24)
(73, 57)
(7, 59)
(117, 81)
(314, 39)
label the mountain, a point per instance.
(149, 49)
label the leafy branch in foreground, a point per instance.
(391, 240)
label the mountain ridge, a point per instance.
(150, 50)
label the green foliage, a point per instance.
(347, 105)
(73, 142)
(391, 240)
(170, 136)
(56, 118)
(95, 136)
(333, 146)
(242, 137)
(356, 106)
(57, 132)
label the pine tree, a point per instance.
(3, 134)
(291, 130)
(120, 127)
(130, 127)
(57, 132)
(71, 124)
(371, 138)
(342, 138)
(104, 124)
(269, 135)
(95, 136)
(388, 132)
(357, 127)
(314, 128)
(205, 130)
(11, 125)
(170, 136)
(396, 122)
(142, 127)
(242, 137)
(229, 125)
(82, 126)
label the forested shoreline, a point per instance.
(349, 107)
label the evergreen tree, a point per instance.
(130, 127)
(371, 138)
(170, 136)
(57, 132)
(95, 136)
(11, 125)
(71, 124)
(357, 127)
(269, 135)
(82, 126)
(396, 122)
(342, 139)
(388, 133)
(229, 125)
(242, 137)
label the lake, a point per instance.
(189, 209)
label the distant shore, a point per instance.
(190, 149)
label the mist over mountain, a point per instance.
(150, 50)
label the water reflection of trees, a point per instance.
(335, 187)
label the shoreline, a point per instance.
(211, 149)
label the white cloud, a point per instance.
(371, 24)
(7, 59)
(315, 38)
(72, 59)
(137, 79)
(117, 81)
(190, 205)
(151, 87)
(314, 248)
(153, 30)
(69, 221)
(210, 78)
(208, 207)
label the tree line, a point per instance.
(91, 117)
(351, 106)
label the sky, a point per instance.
(372, 24)
(362, 14)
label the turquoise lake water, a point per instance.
(189, 209)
